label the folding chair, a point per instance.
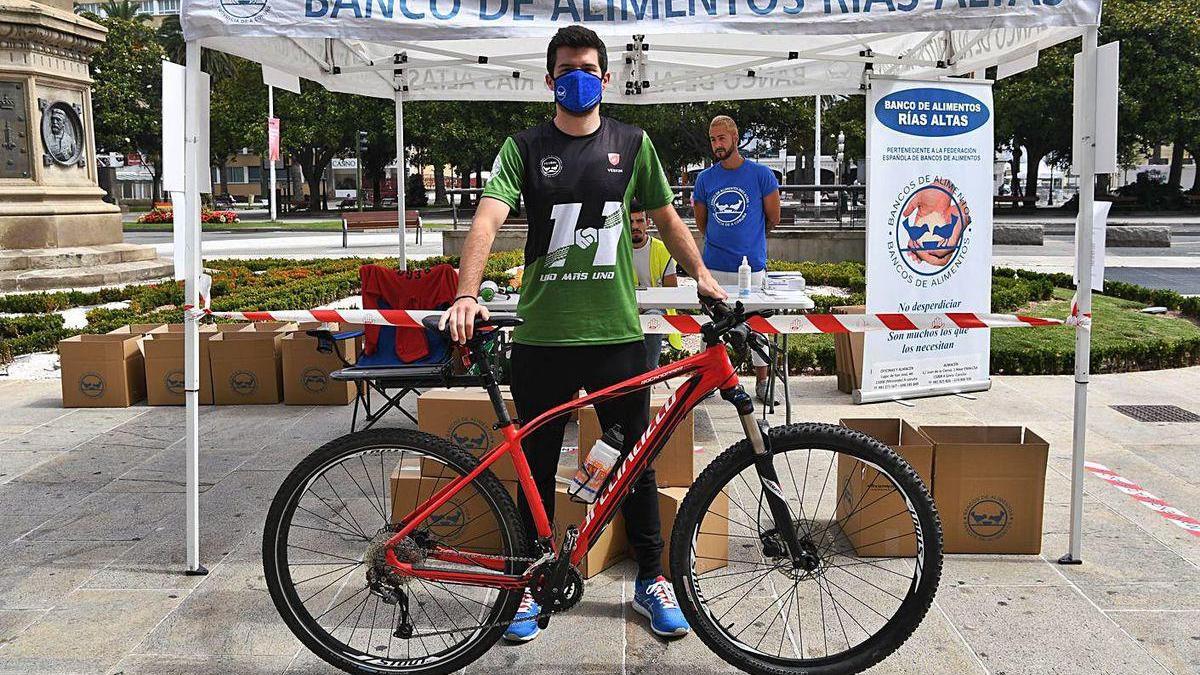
(383, 371)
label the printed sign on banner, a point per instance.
(273, 138)
(929, 233)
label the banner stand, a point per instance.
(859, 396)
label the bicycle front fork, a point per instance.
(780, 541)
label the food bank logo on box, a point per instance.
(470, 434)
(987, 517)
(243, 382)
(314, 380)
(91, 385)
(173, 381)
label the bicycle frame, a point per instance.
(706, 371)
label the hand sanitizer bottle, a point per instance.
(744, 278)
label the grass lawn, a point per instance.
(315, 226)
(1120, 332)
(1122, 339)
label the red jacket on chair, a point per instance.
(385, 288)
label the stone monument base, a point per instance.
(39, 269)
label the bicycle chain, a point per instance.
(544, 613)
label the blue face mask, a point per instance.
(578, 91)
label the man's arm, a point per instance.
(770, 208)
(489, 216)
(682, 246)
(701, 211)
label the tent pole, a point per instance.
(191, 336)
(1083, 293)
(271, 116)
(400, 174)
(817, 155)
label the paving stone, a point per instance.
(166, 664)
(231, 518)
(41, 574)
(1173, 638)
(13, 464)
(999, 570)
(88, 633)
(1042, 629)
(14, 621)
(108, 517)
(200, 625)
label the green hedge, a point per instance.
(1123, 339)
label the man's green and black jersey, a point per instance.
(579, 279)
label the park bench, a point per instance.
(375, 220)
(1010, 200)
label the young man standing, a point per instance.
(577, 175)
(655, 267)
(736, 203)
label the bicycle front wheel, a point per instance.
(872, 547)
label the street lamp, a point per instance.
(837, 178)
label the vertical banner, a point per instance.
(929, 234)
(273, 138)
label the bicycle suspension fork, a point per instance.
(780, 541)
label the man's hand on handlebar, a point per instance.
(460, 318)
(707, 286)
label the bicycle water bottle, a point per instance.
(744, 274)
(592, 474)
(488, 291)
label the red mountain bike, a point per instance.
(807, 548)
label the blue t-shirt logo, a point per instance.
(736, 224)
(729, 205)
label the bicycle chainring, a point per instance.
(558, 597)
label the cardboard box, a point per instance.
(464, 522)
(675, 465)
(466, 417)
(306, 371)
(848, 353)
(712, 546)
(610, 548)
(102, 371)
(164, 363)
(139, 329)
(246, 364)
(989, 485)
(870, 510)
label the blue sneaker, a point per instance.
(655, 600)
(524, 626)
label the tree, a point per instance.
(126, 92)
(1034, 111)
(1160, 74)
(237, 114)
(170, 35)
(125, 9)
(319, 125)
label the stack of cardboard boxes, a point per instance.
(988, 484)
(466, 417)
(240, 363)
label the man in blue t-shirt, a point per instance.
(736, 202)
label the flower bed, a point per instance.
(207, 216)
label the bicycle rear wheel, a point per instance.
(324, 539)
(871, 533)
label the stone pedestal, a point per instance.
(49, 197)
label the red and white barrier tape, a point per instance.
(682, 323)
(1172, 514)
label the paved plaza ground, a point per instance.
(91, 544)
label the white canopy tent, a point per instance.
(660, 51)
